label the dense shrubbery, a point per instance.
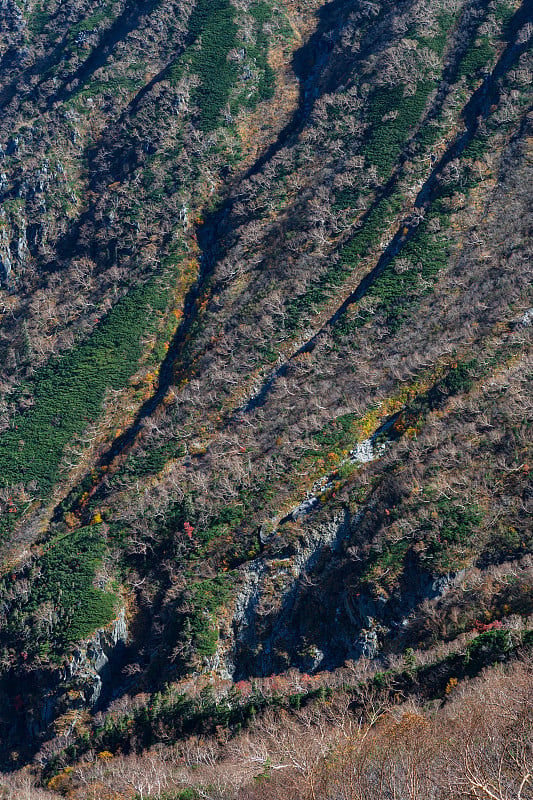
(207, 597)
(213, 29)
(214, 23)
(262, 13)
(476, 57)
(68, 566)
(374, 224)
(68, 392)
(63, 605)
(386, 139)
(38, 19)
(451, 534)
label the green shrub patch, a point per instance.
(68, 392)
(62, 605)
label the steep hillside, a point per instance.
(266, 399)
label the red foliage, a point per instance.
(482, 627)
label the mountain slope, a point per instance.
(266, 323)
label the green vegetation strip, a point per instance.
(397, 290)
(214, 20)
(262, 13)
(410, 275)
(374, 225)
(393, 118)
(62, 605)
(212, 30)
(68, 393)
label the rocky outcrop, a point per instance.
(92, 662)
(61, 696)
(269, 594)
(306, 610)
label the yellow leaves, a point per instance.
(197, 448)
(450, 686)
(72, 720)
(97, 518)
(303, 356)
(105, 755)
(58, 782)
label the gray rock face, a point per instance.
(441, 585)
(527, 319)
(305, 508)
(363, 452)
(79, 684)
(312, 659)
(89, 662)
(258, 601)
(5, 253)
(367, 643)
(302, 610)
